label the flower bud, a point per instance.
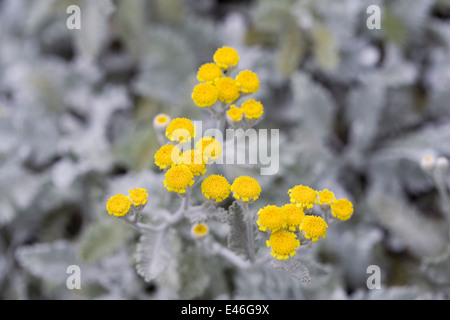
(428, 163)
(161, 121)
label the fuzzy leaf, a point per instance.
(101, 239)
(295, 268)
(423, 237)
(153, 254)
(48, 261)
(237, 237)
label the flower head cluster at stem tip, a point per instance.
(285, 223)
(216, 84)
(119, 205)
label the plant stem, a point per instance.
(248, 216)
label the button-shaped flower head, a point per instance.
(252, 109)
(246, 188)
(161, 121)
(234, 114)
(199, 230)
(209, 72)
(284, 244)
(303, 196)
(342, 209)
(118, 205)
(226, 57)
(228, 89)
(248, 81)
(194, 161)
(138, 196)
(294, 215)
(180, 130)
(166, 156)
(209, 147)
(178, 178)
(216, 188)
(325, 197)
(271, 217)
(205, 95)
(313, 227)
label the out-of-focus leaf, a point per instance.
(101, 239)
(153, 254)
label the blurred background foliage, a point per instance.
(357, 110)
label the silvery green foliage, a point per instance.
(357, 110)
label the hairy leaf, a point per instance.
(295, 268)
(153, 253)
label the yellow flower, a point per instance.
(199, 230)
(180, 130)
(228, 89)
(209, 72)
(226, 57)
(209, 147)
(248, 81)
(294, 215)
(303, 196)
(246, 189)
(178, 178)
(342, 209)
(204, 95)
(138, 196)
(271, 217)
(325, 197)
(161, 121)
(313, 227)
(252, 109)
(216, 188)
(194, 161)
(234, 114)
(166, 156)
(118, 205)
(283, 243)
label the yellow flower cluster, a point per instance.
(183, 167)
(119, 205)
(216, 84)
(284, 222)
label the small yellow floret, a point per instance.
(209, 147)
(194, 161)
(294, 215)
(199, 230)
(303, 196)
(342, 209)
(252, 109)
(248, 81)
(246, 189)
(313, 227)
(178, 178)
(161, 121)
(166, 156)
(180, 130)
(325, 197)
(216, 188)
(228, 89)
(271, 217)
(205, 95)
(118, 205)
(138, 196)
(234, 114)
(226, 57)
(284, 244)
(209, 72)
